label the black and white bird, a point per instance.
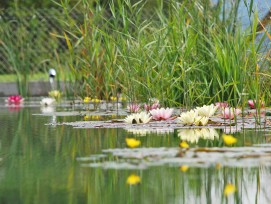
(52, 74)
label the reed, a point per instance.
(182, 53)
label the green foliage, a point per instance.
(181, 53)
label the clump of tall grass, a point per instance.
(182, 53)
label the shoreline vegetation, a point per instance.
(184, 54)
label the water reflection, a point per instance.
(49, 110)
(193, 135)
(40, 165)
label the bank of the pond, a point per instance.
(35, 88)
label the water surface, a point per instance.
(41, 164)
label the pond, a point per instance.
(45, 161)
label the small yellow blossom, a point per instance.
(184, 168)
(132, 143)
(96, 117)
(55, 94)
(122, 98)
(133, 179)
(184, 144)
(229, 139)
(96, 100)
(86, 117)
(87, 99)
(229, 189)
(113, 98)
(217, 166)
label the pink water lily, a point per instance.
(161, 113)
(230, 113)
(252, 103)
(222, 104)
(15, 99)
(151, 107)
(133, 108)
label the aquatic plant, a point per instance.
(56, 94)
(229, 139)
(161, 113)
(87, 99)
(222, 104)
(229, 189)
(15, 100)
(207, 111)
(137, 118)
(47, 101)
(132, 143)
(133, 179)
(230, 113)
(184, 168)
(184, 145)
(133, 108)
(151, 107)
(201, 120)
(153, 104)
(193, 135)
(188, 118)
(252, 104)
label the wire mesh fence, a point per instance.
(30, 39)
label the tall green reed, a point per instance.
(182, 53)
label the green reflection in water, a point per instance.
(39, 166)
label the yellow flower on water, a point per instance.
(132, 143)
(184, 144)
(96, 100)
(133, 179)
(229, 139)
(86, 117)
(122, 98)
(229, 189)
(96, 117)
(113, 98)
(87, 99)
(55, 94)
(184, 168)
(217, 166)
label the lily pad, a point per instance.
(140, 158)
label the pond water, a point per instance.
(45, 163)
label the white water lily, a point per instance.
(47, 101)
(209, 133)
(207, 111)
(193, 135)
(188, 118)
(201, 121)
(137, 118)
(189, 135)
